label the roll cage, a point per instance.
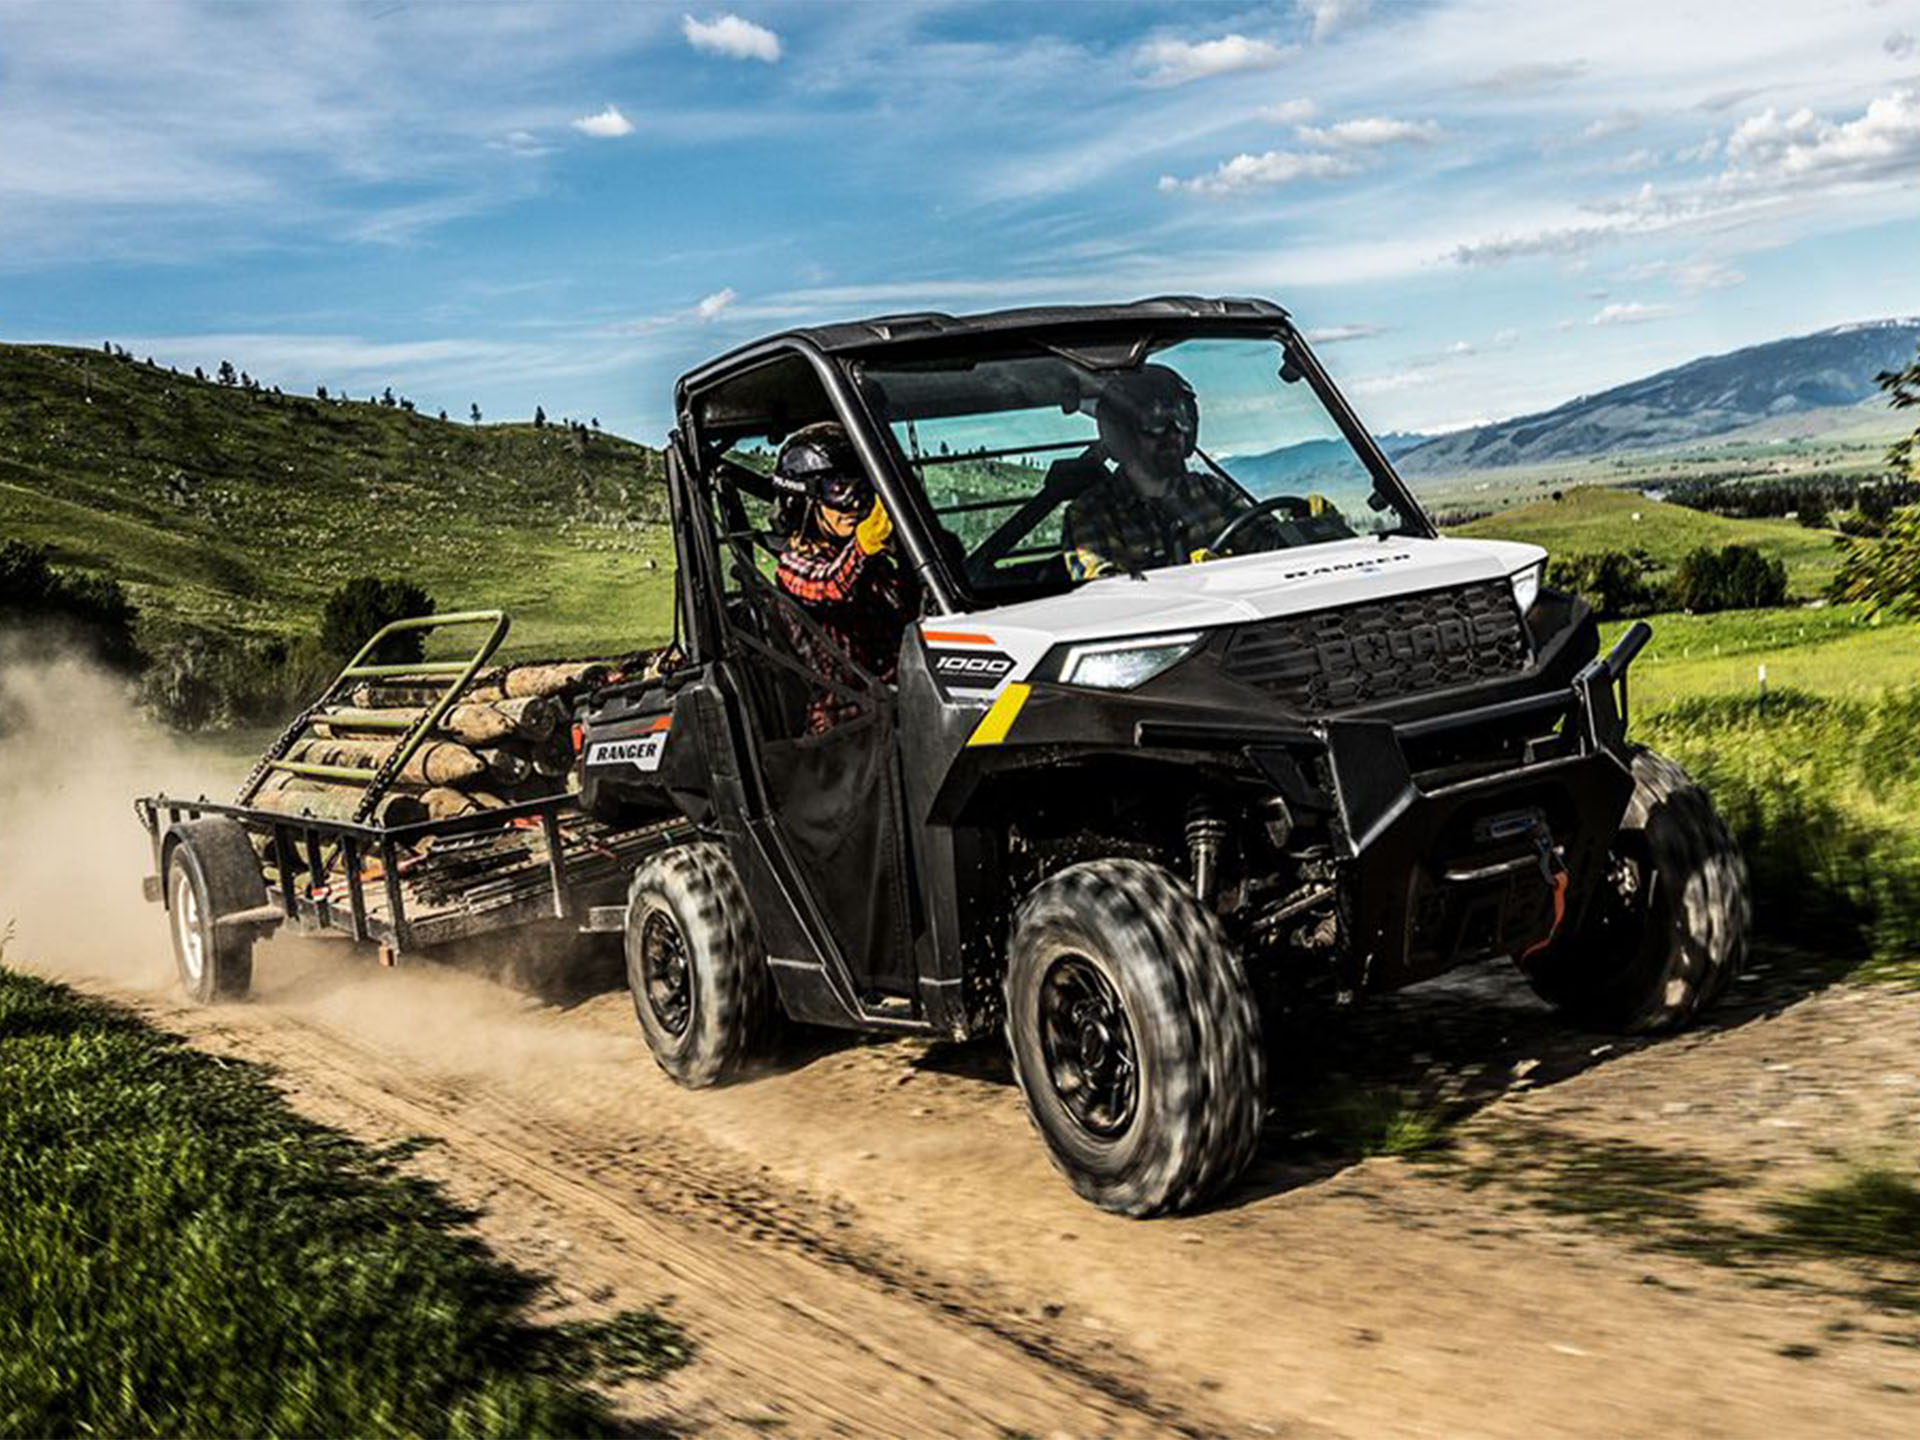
(774, 385)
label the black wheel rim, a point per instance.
(664, 974)
(1091, 1059)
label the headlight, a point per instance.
(1123, 664)
(1526, 585)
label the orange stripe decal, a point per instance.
(954, 637)
(664, 722)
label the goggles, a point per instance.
(1161, 418)
(844, 492)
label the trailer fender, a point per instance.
(236, 889)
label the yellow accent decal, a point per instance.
(994, 725)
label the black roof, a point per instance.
(919, 327)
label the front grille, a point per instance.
(1331, 660)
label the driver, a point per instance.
(838, 565)
(1142, 506)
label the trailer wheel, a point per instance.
(1134, 1037)
(695, 965)
(1667, 932)
(212, 871)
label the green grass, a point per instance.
(1823, 794)
(237, 512)
(1833, 650)
(181, 1254)
(1594, 518)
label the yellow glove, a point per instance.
(874, 533)
(1201, 556)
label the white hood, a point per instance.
(1233, 591)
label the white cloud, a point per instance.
(1559, 240)
(1528, 76)
(609, 124)
(1370, 133)
(1246, 172)
(710, 306)
(1331, 15)
(1608, 125)
(1689, 277)
(1461, 347)
(1505, 337)
(1629, 312)
(1899, 45)
(732, 37)
(1175, 62)
(1800, 146)
(1288, 112)
(1335, 334)
(523, 143)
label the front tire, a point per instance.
(1667, 931)
(1134, 1037)
(695, 965)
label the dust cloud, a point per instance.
(74, 752)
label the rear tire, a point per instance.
(695, 965)
(211, 871)
(1134, 1037)
(1667, 931)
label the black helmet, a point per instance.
(818, 462)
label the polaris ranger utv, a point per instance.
(1120, 808)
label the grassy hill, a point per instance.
(1592, 518)
(236, 510)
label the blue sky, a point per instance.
(1481, 207)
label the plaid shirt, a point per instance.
(1111, 525)
(858, 600)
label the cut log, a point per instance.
(555, 680)
(437, 762)
(506, 764)
(486, 723)
(293, 795)
(553, 757)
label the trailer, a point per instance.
(231, 874)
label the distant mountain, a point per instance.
(1286, 470)
(1696, 401)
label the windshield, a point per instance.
(1044, 472)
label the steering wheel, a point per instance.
(1297, 508)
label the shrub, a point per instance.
(1735, 577)
(360, 607)
(91, 609)
(200, 681)
(1883, 571)
(1613, 582)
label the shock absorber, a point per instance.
(1206, 837)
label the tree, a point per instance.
(1613, 582)
(92, 609)
(320, 392)
(386, 397)
(1883, 572)
(476, 412)
(361, 606)
(1903, 393)
(443, 412)
(198, 373)
(227, 374)
(539, 418)
(1736, 577)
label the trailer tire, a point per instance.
(695, 965)
(1114, 964)
(211, 871)
(1667, 932)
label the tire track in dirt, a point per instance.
(778, 1279)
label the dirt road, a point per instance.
(868, 1240)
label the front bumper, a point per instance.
(1461, 835)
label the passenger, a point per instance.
(838, 565)
(1142, 506)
